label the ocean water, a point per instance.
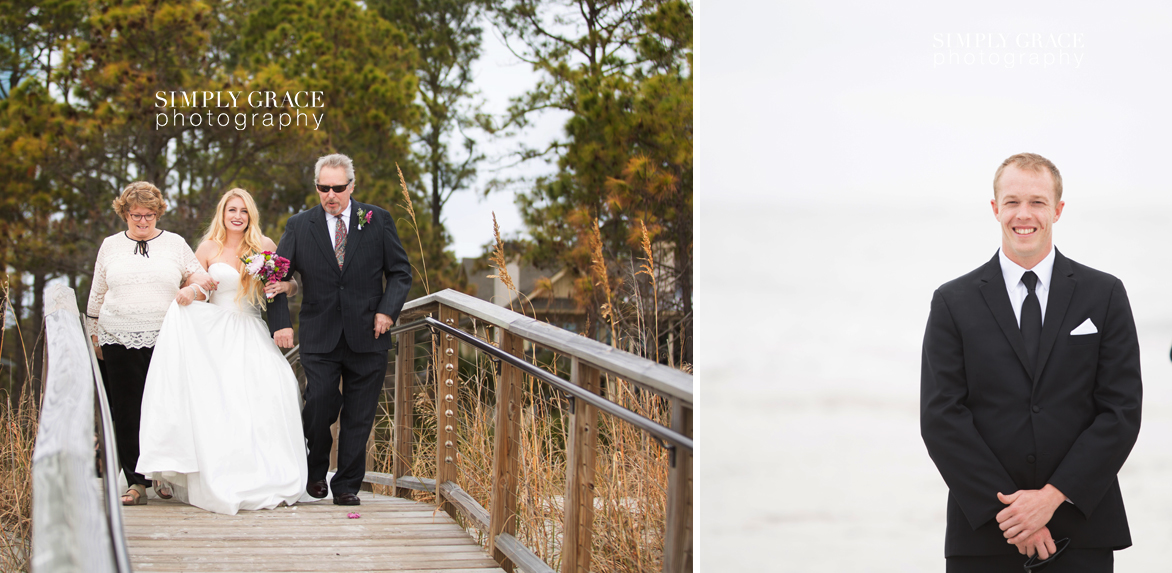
(810, 323)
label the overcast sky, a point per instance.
(816, 100)
(468, 215)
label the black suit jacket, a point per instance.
(375, 277)
(991, 425)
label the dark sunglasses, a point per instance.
(1034, 565)
(334, 188)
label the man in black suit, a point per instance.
(355, 277)
(1030, 393)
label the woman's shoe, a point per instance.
(162, 489)
(136, 495)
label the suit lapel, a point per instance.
(321, 235)
(993, 289)
(353, 235)
(1062, 285)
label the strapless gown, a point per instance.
(221, 414)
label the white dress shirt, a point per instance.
(332, 225)
(1018, 291)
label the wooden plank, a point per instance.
(392, 534)
(580, 456)
(216, 544)
(404, 411)
(408, 482)
(466, 504)
(335, 563)
(296, 566)
(519, 555)
(447, 393)
(506, 455)
(70, 531)
(677, 543)
(367, 521)
(420, 552)
(661, 379)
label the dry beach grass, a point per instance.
(18, 432)
(631, 468)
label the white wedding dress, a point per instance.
(221, 415)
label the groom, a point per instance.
(1031, 394)
(355, 277)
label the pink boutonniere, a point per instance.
(363, 218)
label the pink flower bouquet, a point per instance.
(267, 267)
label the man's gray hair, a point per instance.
(333, 160)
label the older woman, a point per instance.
(137, 274)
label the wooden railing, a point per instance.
(443, 313)
(76, 526)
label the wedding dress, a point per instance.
(221, 415)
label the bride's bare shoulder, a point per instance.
(205, 251)
(268, 244)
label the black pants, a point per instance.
(126, 371)
(362, 376)
(1071, 561)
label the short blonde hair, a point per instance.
(1031, 162)
(140, 194)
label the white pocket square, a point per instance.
(1087, 327)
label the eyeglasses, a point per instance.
(147, 217)
(334, 188)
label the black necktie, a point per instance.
(1031, 319)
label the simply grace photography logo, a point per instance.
(239, 110)
(1009, 50)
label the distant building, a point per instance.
(544, 294)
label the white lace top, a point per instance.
(131, 292)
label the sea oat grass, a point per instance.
(631, 471)
(18, 434)
(18, 431)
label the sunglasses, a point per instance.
(334, 188)
(148, 217)
(1035, 565)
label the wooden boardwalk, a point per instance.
(392, 534)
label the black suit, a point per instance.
(337, 330)
(991, 425)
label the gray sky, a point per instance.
(468, 215)
(814, 101)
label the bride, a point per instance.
(221, 415)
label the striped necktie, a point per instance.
(339, 241)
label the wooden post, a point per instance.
(447, 403)
(580, 453)
(404, 410)
(506, 451)
(677, 542)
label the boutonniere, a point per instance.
(363, 217)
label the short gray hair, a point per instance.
(333, 160)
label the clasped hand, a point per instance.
(274, 289)
(1024, 520)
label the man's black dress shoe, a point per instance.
(317, 489)
(347, 499)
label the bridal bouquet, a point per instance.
(267, 267)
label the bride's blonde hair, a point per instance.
(250, 289)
